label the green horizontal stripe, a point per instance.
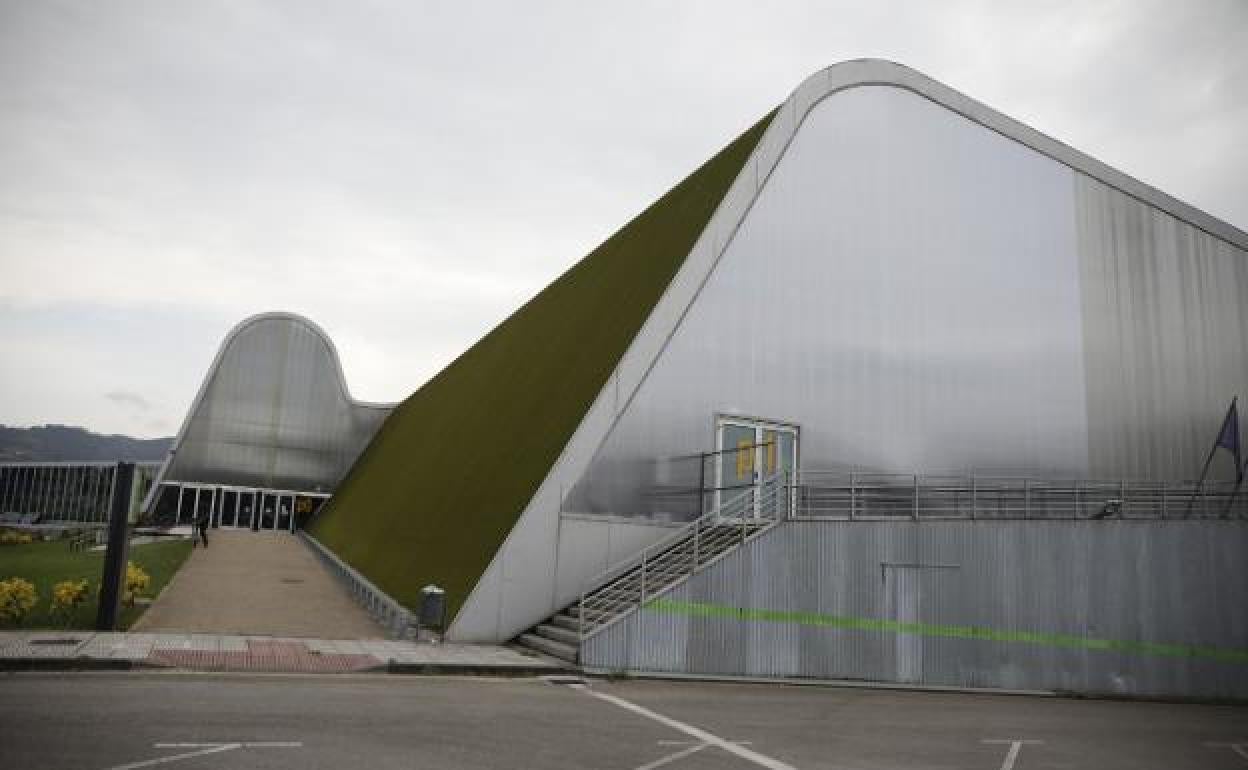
(702, 610)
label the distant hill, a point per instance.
(65, 443)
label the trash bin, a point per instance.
(432, 607)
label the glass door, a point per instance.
(750, 452)
(285, 504)
(268, 511)
(229, 508)
(246, 505)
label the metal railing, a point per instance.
(628, 584)
(840, 495)
(399, 622)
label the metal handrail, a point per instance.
(853, 495)
(759, 503)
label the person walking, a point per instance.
(202, 525)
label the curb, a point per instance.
(12, 665)
(468, 669)
(76, 664)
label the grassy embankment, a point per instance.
(46, 564)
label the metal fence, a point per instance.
(76, 492)
(874, 496)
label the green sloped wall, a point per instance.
(446, 477)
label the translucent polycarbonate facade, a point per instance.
(918, 293)
(274, 412)
(915, 283)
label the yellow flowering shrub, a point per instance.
(12, 537)
(137, 581)
(17, 599)
(67, 597)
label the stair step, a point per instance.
(549, 646)
(558, 634)
(564, 620)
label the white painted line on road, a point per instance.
(244, 744)
(695, 748)
(1011, 756)
(179, 757)
(1239, 748)
(753, 756)
(204, 749)
(670, 758)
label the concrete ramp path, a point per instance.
(257, 583)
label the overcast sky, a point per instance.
(406, 174)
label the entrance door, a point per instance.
(751, 451)
(205, 503)
(246, 507)
(229, 508)
(285, 506)
(904, 591)
(268, 511)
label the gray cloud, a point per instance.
(127, 398)
(407, 174)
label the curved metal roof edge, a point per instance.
(197, 401)
(855, 73)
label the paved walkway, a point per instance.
(257, 583)
(218, 652)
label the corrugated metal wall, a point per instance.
(1165, 336)
(1129, 607)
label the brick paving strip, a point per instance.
(87, 650)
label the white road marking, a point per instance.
(1011, 756)
(695, 748)
(702, 735)
(204, 749)
(179, 757)
(1239, 748)
(243, 744)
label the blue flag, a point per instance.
(1228, 439)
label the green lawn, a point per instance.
(46, 564)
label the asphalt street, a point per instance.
(206, 721)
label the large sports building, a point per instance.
(265, 442)
(893, 387)
(270, 433)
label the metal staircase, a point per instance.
(624, 587)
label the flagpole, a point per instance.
(1226, 513)
(1208, 460)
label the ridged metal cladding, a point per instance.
(274, 412)
(1128, 607)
